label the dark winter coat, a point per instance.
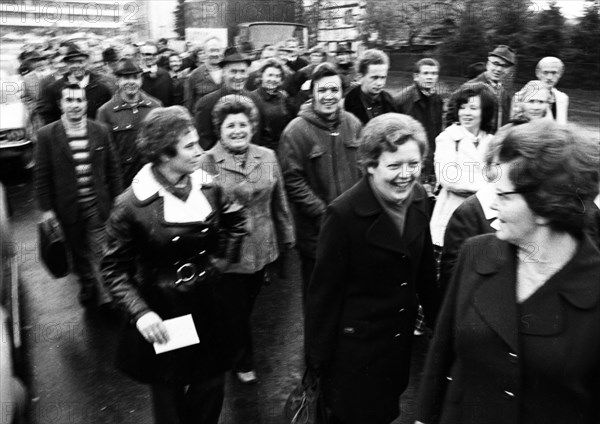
(56, 179)
(144, 251)
(362, 303)
(96, 93)
(159, 86)
(275, 113)
(123, 120)
(494, 361)
(356, 106)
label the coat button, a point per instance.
(404, 284)
(202, 252)
(400, 310)
(397, 335)
(513, 357)
(128, 126)
(204, 230)
(175, 239)
(509, 395)
(448, 378)
(115, 128)
(349, 330)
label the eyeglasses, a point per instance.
(148, 54)
(500, 65)
(504, 194)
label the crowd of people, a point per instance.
(182, 184)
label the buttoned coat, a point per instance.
(259, 186)
(150, 234)
(55, 177)
(362, 303)
(159, 86)
(493, 361)
(124, 120)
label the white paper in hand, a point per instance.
(182, 333)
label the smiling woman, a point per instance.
(374, 256)
(179, 231)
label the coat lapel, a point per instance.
(225, 160)
(495, 298)
(383, 232)
(63, 142)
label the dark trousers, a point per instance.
(239, 293)
(198, 403)
(307, 265)
(86, 239)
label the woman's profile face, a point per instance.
(236, 132)
(536, 105)
(469, 113)
(187, 156)
(271, 78)
(516, 220)
(397, 172)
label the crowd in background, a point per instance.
(379, 194)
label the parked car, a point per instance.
(15, 128)
(12, 390)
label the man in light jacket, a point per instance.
(549, 70)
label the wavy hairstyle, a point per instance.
(385, 133)
(161, 131)
(488, 103)
(556, 170)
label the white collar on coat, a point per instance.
(195, 208)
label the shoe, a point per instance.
(248, 377)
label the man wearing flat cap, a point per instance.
(123, 115)
(235, 67)
(499, 64)
(97, 92)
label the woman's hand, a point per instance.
(151, 326)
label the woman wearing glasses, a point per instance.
(169, 236)
(518, 339)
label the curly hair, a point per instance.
(233, 104)
(385, 133)
(488, 103)
(161, 131)
(556, 170)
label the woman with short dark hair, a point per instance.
(250, 175)
(272, 103)
(170, 235)
(518, 339)
(459, 154)
(374, 256)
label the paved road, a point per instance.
(73, 380)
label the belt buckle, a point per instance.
(186, 273)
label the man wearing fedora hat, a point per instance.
(97, 92)
(235, 67)
(499, 64)
(155, 80)
(123, 115)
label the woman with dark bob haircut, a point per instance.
(250, 175)
(518, 339)
(273, 103)
(169, 236)
(459, 153)
(374, 256)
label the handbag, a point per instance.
(305, 404)
(53, 248)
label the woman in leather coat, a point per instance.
(169, 236)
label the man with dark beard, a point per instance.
(123, 115)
